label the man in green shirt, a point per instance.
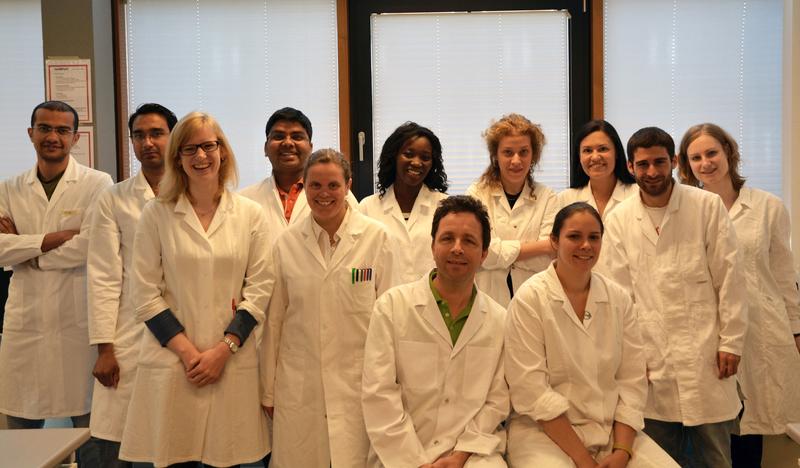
(433, 391)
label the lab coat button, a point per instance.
(447, 400)
(435, 442)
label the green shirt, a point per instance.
(454, 326)
(49, 186)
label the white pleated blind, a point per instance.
(677, 63)
(21, 81)
(455, 72)
(239, 60)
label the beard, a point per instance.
(655, 188)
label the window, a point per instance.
(459, 71)
(21, 83)
(238, 60)
(677, 63)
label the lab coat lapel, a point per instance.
(184, 207)
(349, 237)
(422, 206)
(473, 324)
(32, 181)
(557, 295)
(426, 306)
(310, 243)
(142, 188)
(67, 180)
(741, 205)
(225, 205)
(391, 208)
(645, 224)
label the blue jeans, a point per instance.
(703, 446)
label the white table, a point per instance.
(39, 448)
(793, 431)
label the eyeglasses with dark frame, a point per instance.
(61, 131)
(191, 150)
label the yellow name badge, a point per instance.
(360, 275)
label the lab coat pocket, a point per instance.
(480, 364)
(418, 365)
(774, 326)
(70, 220)
(359, 290)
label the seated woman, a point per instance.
(201, 251)
(330, 267)
(521, 211)
(574, 361)
(599, 168)
(769, 374)
(411, 182)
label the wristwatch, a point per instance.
(231, 344)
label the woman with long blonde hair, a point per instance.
(201, 284)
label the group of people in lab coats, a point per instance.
(412, 329)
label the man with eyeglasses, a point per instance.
(112, 322)
(45, 357)
(288, 147)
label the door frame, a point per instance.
(360, 60)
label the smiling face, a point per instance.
(52, 135)
(708, 160)
(578, 244)
(652, 168)
(458, 247)
(514, 159)
(326, 192)
(414, 162)
(598, 156)
(288, 147)
(150, 136)
(202, 168)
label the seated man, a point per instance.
(433, 391)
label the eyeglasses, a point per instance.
(152, 134)
(61, 131)
(191, 150)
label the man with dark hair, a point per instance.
(433, 385)
(45, 357)
(112, 322)
(288, 147)
(673, 247)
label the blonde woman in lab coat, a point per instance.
(411, 182)
(769, 373)
(201, 283)
(599, 169)
(329, 270)
(521, 210)
(574, 361)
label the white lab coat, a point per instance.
(111, 311)
(198, 274)
(769, 373)
(265, 193)
(592, 371)
(313, 347)
(530, 220)
(584, 194)
(423, 396)
(412, 238)
(45, 358)
(689, 298)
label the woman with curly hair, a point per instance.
(411, 182)
(521, 210)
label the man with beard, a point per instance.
(45, 357)
(112, 323)
(673, 247)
